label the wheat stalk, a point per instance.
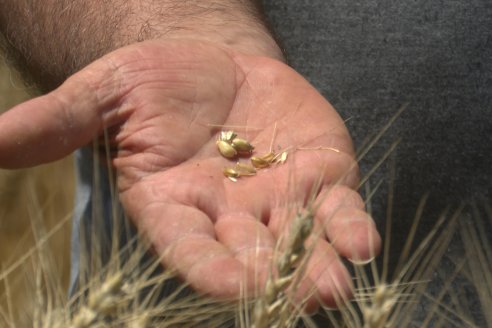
(125, 291)
(272, 308)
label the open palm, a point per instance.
(164, 104)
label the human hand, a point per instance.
(162, 102)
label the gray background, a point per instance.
(371, 57)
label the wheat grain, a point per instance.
(124, 291)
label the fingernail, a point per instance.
(361, 262)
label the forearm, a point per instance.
(52, 39)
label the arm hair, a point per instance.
(49, 40)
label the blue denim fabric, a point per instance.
(94, 212)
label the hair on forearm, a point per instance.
(49, 40)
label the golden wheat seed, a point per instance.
(242, 146)
(281, 158)
(226, 149)
(245, 169)
(261, 162)
(239, 170)
(227, 136)
(231, 172)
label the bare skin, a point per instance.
(161, 99)
(208, 64)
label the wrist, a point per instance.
(249, 42)
(236, 25)
(48, 50)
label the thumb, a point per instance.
(50, 127)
